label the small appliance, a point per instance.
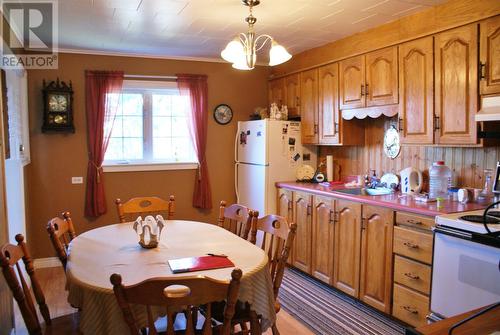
(411, 180)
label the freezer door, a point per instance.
(251, 183)
(251, 142)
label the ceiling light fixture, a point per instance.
(242, 50)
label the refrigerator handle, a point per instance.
(236, 180)
(236, 145)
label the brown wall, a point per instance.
(55, 158)
(467, 163)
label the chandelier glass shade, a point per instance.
(242, 50)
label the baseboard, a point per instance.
(49, 262)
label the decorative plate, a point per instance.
(391, 142)
(223, 114)
(305, 172)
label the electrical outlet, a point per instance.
(76, 180)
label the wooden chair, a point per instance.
(237, 219)
(185, 294)
(277, 239)
(130, 210)
(9, 260)
(61, 232)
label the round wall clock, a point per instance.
(391, 142)
(223, 114)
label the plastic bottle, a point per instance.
(439, 180)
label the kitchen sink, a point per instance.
(366, 191)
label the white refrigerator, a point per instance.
(267, 151)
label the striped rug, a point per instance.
(327, 311)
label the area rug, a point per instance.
(327, 311)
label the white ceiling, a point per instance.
(201, 28)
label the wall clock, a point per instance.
(223, 114)
(391, 142)
(57, 107)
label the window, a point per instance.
(150, 130)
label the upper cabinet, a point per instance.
(490, 56)
(369, 80)
(416, 89)
(277, 91)
(309, 106)
(329, 114)
(292, 95)
(456, 85)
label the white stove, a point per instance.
(464, 221)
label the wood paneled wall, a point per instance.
(467, 163)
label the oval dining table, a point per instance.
(96, 254)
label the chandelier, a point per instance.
(242, 50)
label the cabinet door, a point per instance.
(285, 204)
(309, 106)
(382, 77)
(416, 89)
(292, 94)
(352, 81)
(302, 243)
(490, 55)
(277, 91)
(329, 114)
(456, 85)
(322, 239)
(347, 247)
(376, 257)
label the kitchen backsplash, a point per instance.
(468, 164)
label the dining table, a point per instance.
(96, 254)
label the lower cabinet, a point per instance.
(301, 253)
(323, 238)
(346, 258)
(376, 257)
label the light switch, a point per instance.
(76, 180)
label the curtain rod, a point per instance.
(150, 77)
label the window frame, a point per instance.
(146, 88)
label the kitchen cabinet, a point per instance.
(277, 91)
(322, 237)
(347, 245)
(302, 203)
(309, 106)
(376, 257)
(329, 113)
(285, 202)
(292, 95)
(381, 87)
(416, 89)
(369, 80)
(490, 56)
(456, 87)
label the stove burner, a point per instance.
(494, 213)
(479, 219)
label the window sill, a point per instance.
(149, 167)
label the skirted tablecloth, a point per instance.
(98, 253)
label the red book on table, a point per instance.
(191, 264)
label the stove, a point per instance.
(471, 221)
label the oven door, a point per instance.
(465, 275)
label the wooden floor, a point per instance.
(53, 282)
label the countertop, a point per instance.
(396, 201)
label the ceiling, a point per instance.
(201, 28)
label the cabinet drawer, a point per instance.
(412, 274)
(413, 244)
(414, 220)
(410, 306)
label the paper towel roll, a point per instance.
(329, 168)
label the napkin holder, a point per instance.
(149, 230)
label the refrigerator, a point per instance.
(267, 151)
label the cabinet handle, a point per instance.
(437, 124)
(411, 245)
(336, 128)
(414, 222)
(315, 128)
(482, 71)
(332, 217)
(401, 123)
(290, 205)
(308, 210)
(363, 223)
(367, 90)
(297, 102)
(362, 90)
(410, 309)
(411, 276)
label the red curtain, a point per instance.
(101, 111)
(196, 87)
